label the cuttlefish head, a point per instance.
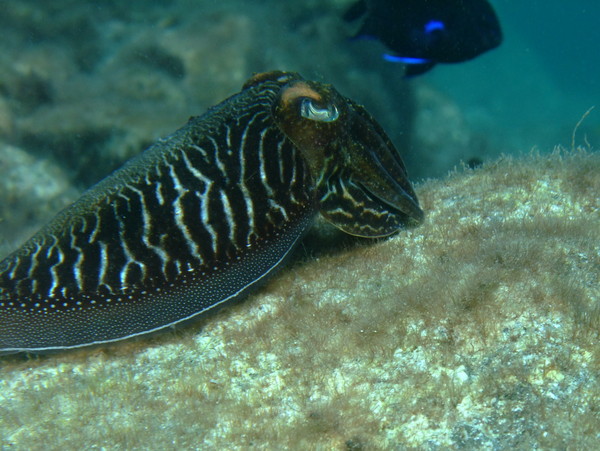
(361, 182)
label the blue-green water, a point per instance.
(529, 92)
(534, 88)
(86, 85)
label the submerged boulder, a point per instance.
(478, 329)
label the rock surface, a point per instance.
(478, 329)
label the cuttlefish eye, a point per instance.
(309, 110)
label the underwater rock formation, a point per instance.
(32, 190)
(92, 87)
(478, 329)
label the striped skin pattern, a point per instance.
(202, 216)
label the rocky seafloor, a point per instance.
(477, 330)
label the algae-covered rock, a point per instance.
(32, 190)
(478, 329)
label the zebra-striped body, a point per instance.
(194, 221)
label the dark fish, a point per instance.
(202, 216)
(423, 33)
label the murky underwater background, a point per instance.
(86, 85)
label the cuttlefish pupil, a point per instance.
(308, 110)
(203, 216)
